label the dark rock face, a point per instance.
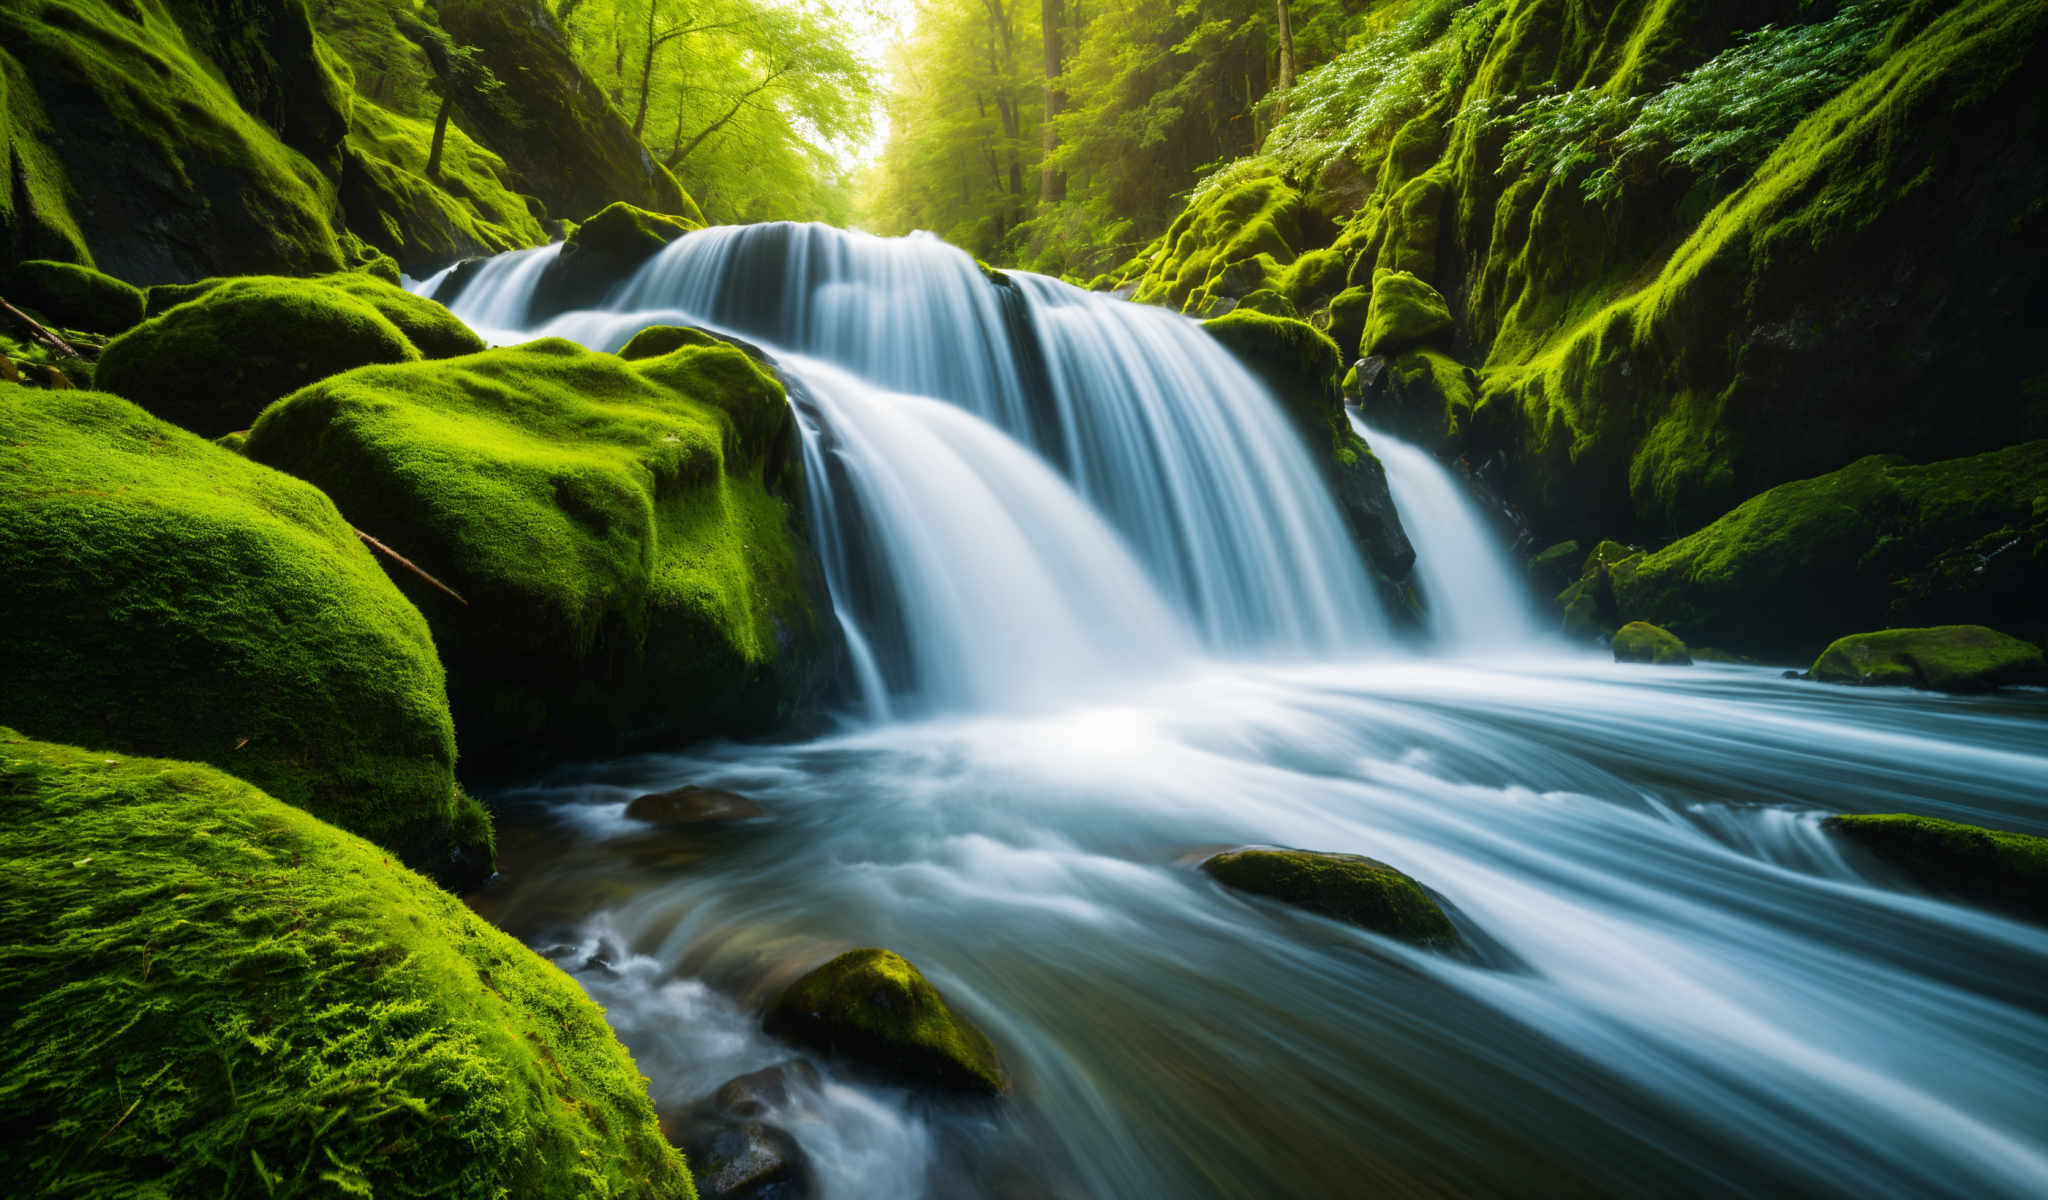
(1351, 888)
(874, 1007)
(693, 805)
(748, 1160)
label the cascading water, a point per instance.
(1677, 982)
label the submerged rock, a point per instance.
(1642, 642)
(756, 1092)
(1349, 887)
(2005, 871)
(1946, 658)
(692, 805)
(166, 596)
(873, 1006)
(234, 985)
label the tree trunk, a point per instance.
(1286, 53)
(440, 131)
(647, 70)
(1052, 183)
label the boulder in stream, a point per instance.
(693, 805)
(1944, 658)
(1349, 887)
(2004, 871)
(873, 1006)
(1642, 642)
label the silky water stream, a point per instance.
(1100, 626)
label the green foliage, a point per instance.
(212, 363)
(1347, 887)
(2006, 871)
(212, 993)
(1946, 658)
(873, 1005)
(618, 530)
(165, 596)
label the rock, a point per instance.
(602, 253)
(69, 296)
(754, 1093)
(624, 535)
(1347, 319)
(289, 977)
(694, 806)
(1405, 314)
(1423, 396)
(1229, 242)
(165, 596)
(213, 363)
(748, 1160)
(1946, 658)
(1642, 642)
(1299, 365)
(428, 325)
(1999, 870)
(657, 340)
(1348, 887)
(876, 1008)
(1556, 566)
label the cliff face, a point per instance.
(167, 140)
(1658, 310)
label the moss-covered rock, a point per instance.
(1422, 395)
(165, 596)
(74, 297)
(2004, 871)
(431, 328)
(633, 568)
(658, 340)
(213, 363)
(1349, 887)
(873, 1006)
(1234, 238)
(1556, 566)
(1946, 658)
(1405, 313)
(470, 208)
(1642, 642)
(210, 992)
(1348, 310)
(1877, 543)
(602, 252)
(1299, 365)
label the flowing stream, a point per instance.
(1103, 623)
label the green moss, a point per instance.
(212, 364)
(1270, 302)
(2005, 871)
(1252, 224)
(603, 250)
(1424, 396)
(1350, 888)
(1405, 313)
(74, 297)
(470, 209)
(872, 1005)
(632, 570)
(1642, 642)
(212, 993)
(165, 596)
(431, 328)
(658, 340)
(1946, 658)
(1348, 311)
(1556, 566)
(1312, 279)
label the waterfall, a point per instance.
(1474, 597)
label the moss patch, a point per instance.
(1357, 890)
(1642, 642)
(1946, 658)
(213, 993)
(73, 297)
(873, 1006)
(1405, 313)
(632, 569)
(602, 252)
(2005, 871)
(165, 596)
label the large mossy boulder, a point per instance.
(1422, 395)
(1642, 642)
(1877, 543)
(602, 253)
(873, 1006)
(1945, 658)
(2004, 871)
(70, 296)
(165, 596)
(1405, 314)
(429, 326)
(624, 536)
(212, 363)
(1348, 887)
(1299, 365)
(210, 993)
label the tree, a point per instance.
(459, 73)
(1052, 182)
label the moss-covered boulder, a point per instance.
(1556, 566)
(1405, 313)
(1877, 543)
(873, 1006)
(1351, 888)
(165, 596)
(623, 534)
(213, 363)
(430, 327)
(1236, 237)
(1300, 366)
(658, 340)
(1642, 642)
(73, 297)
(210, 992)
(2004, 871)
(1422, 395)
(602, 252)
(1946, 658)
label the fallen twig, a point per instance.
(409, 565)
(37, 331)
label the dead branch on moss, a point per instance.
(408, 564)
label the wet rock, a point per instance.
(2005, 871)
(1349, 887)
(753, 1094)
(1945, 658)
(873, 1006)
(692, 805)
(747, 1160)
(1642, 642)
